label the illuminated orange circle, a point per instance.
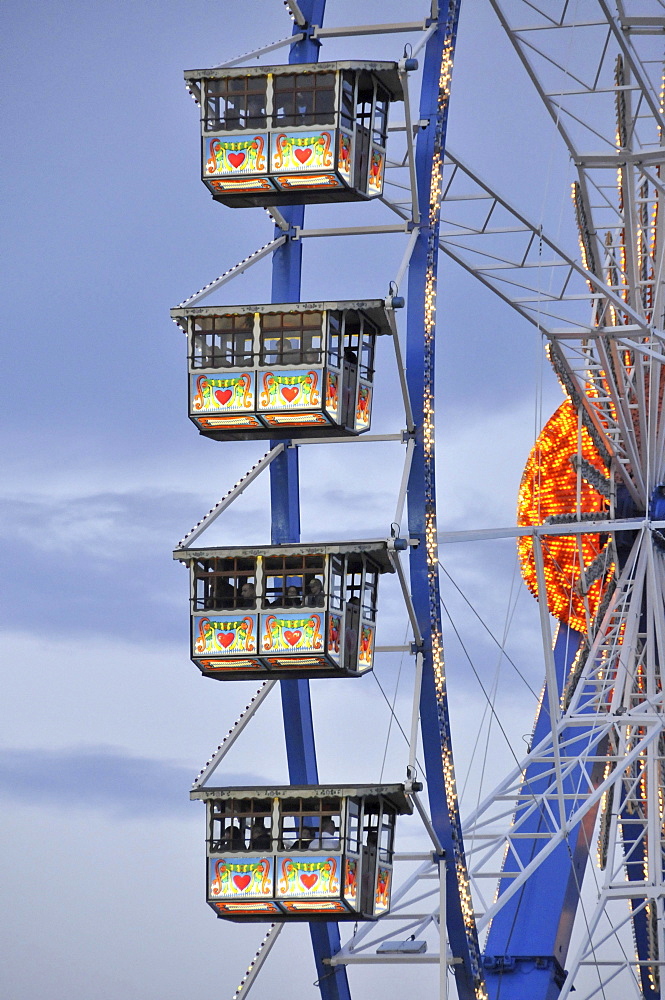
(549, 486)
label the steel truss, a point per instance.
(592, 781)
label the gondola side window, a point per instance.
(225, 584)
(222, 341)
(369, 332)
(291, 338)
(240, 825)
(348, 99)
(386, 835)
(369, 591)
(380, 130)
(334, 338)
(364, 102)
(354, 578)
(336, 582)
(301, 99)
(352, 335)
(370, 830)
(310, 824)
(296, 581)
(238, 102)
(353, 827)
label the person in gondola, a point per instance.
(232, 839)
(292, 599)
(329, 840)
(315, 598)
(259, 837)
(247, 596)
(352, 625)
(222, 593)
(305, 841)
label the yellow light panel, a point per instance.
(549, 486)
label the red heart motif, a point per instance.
(236, 159)
(309, 879)
(225, 638)
(241, 881)
(223, 395)
(289, 392)
(292, 637)
(302, 155)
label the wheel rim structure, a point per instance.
(593, 777)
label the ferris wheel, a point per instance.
(591, 517)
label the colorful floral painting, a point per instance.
(376, 166)
(224, 635)
(315, 877)
(332, 394)
(350, 880)
(366, 650)
(248, 878)
(281, 633)
(210, 395)
(296, 151)
(344, 159)
(334, 626)
(289, 392)
(234, 156)
(383, 880)
(363, 407)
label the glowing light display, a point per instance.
(550, 487)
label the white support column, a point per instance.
(443, 940)
(415, 716)
(550, 672)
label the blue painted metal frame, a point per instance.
(529, 938)
(435, 726)
(635, 858)
(285, 527)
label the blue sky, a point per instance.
(105, 721)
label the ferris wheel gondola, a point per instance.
(591, 505)
(350, 101)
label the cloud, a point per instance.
(105, 524)
(100, 777)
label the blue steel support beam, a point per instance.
(285, 527)
(529, 938)
(435, 726)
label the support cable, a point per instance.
(253, 258)
(233, 733)
(229, 497)
(488, 630)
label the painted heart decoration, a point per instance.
(301, 155)
(236, 159)
(292, 637)
(241, 881)
(289, 392)
(309, 879)
(225, 638)
(223, 395)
